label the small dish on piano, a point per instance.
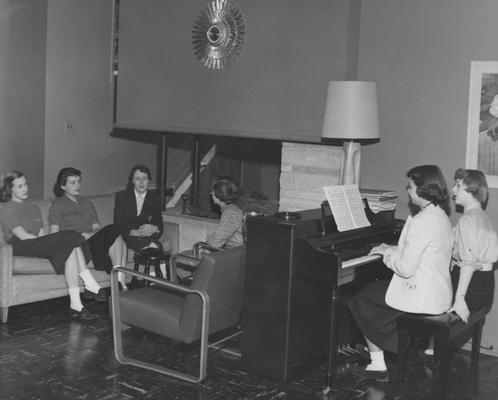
(287, 215)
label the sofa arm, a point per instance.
(5, 274)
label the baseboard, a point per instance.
(490, 351)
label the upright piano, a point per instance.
(298, 280)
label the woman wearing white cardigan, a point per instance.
(420, 262)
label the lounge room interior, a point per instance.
(102, 85)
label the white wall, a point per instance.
(22, 85)
(419, 53)
(78, 89)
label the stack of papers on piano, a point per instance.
(379, 200)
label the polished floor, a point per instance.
(46, 355)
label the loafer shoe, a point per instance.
(83, 315)
(379, 376)
(101, 295)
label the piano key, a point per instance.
(353, 262)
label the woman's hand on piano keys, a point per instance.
(380, 249)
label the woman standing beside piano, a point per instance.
(421, 281)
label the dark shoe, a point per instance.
(379, 376)
(83, 315)
(101, 295)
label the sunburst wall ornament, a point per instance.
(218, 34)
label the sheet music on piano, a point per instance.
(347, 206)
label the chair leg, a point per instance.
(476, 347)
(444, 363)
(402, 345)
(5, 314)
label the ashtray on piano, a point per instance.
(353, 262)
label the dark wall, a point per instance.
(275, 89)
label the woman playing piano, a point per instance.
(421, 281)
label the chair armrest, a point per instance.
(158, 281)
(6, 254)
(197, 247)
(191, 264)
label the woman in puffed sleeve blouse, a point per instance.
(475, 245)
(104, 245)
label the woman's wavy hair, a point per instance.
(139, 167)
(61, 180)
(431, 185)
(475, 183)
(226, 190)
(7, 183)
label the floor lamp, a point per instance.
(351, 118)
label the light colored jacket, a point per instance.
(421, 263)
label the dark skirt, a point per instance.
(480, 291)
(56, 247)
(377, 320)
(137, 243)
(97, 247)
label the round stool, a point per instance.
(151, 256)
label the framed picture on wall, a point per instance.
(482, 125)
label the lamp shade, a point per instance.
(351, 111)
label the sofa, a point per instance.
(29, 279)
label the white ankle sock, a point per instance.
(378, 363)
(75, 300)
(89, 281)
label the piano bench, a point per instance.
(444, 328)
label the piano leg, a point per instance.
(331, 361)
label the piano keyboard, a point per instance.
(352, 262)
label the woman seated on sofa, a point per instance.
(22, 227)
(104, 246)
(137, 211)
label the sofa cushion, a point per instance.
(34, 265)
(31, 265)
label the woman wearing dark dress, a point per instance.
(22, 226)
(420, 263)
(137, 211)
(104, 246)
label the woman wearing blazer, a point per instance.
(137, 211)
(421, 281)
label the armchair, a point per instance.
(212, 303)
(188, 261)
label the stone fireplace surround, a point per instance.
(305, 170)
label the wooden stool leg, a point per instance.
(402, 345)
(147, 269)
(476, 347)
(135, 266)
(157, 266)
(444, 363)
